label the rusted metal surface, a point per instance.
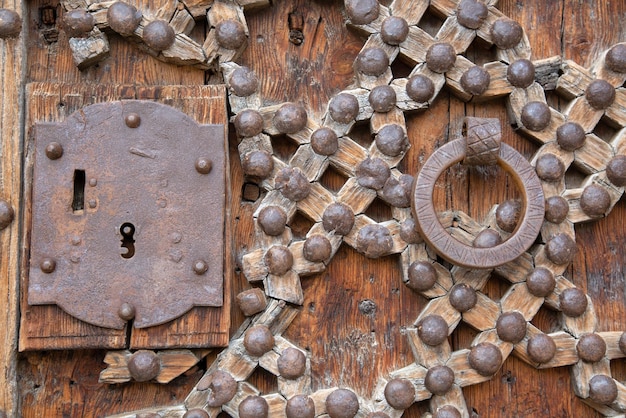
(129, 223)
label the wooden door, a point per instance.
(356, 318)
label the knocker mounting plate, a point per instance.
(128, 214)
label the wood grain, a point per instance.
(12, 62)
(358, 349)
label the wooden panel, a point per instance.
(360, 349)
(48, 327)
(11, 117)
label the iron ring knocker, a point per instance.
(480, 146)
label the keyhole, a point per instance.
(128, 242)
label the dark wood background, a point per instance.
(350, 347)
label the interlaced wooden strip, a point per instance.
(381, 178)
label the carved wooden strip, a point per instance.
(164, 412)
(441, 306)
(582, 373)
(245, 389)
(316, 202)
(374, 26)
(574, 80)
(369, 81)
(276, 405)
(253, 266)
(393, 117)
(453, 397)
(185, 51)
(403, 101)
(237, 361)
(412, 12)
(394, 229)
(259, 142)
(117, 367)
(616, 113)
(453, 77)
(520, 51)
(301, 265)
(427, 355)
(319, 398)
(275, 198)
(220, 11)
(519, 299)
(484, 31)
(286, 287)
(552, 300)
(250, 5)
(266, 241)
(456, 35)
(498, 84)
(348, 156)
(611, 338)
(491, 337)
(549, 229)
(474, 278)
(581, 112)
(198, 8)
(182, 21)
(619, 142)
(312, 165)
(359, 222)
(566, 354)
(547, 71)
(357, 197)
(484, 314)
(516, 270)
(413, 371)
(290, 388)
(593, 156)
(464, 374)
(303, 136)
(414, 48)
(176, 362)
(587, 322)
(542, 260)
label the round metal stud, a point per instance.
(324, 141)
(372, 173)
(463, 297)
(422, 276)
(258, 340)
(440, 57)
(203, 165)
(398, 192)
(343, 108)
(550, 168)
(487, 238)
(521, 73)
(471, 13)
(243, 82)
(541, 348)
(317, 248)
(291, 363)
(557, 209)
(591, 348)
(48, 265)
(432, 330)
(78, 23)
(200, 267)
(300, 406)
(540, 282)
(144, 365)
(439, 379)
(394, 30)
(230, 34)
(511, 327)
(248, 122)
(409, 233)
(278, 260)
(506, 33)
(392, 140)
(536, 116)
(123, 18)
(132, 120)
(254, 407)
(400, 393)
(615, 59)
(126, 311)
(485, 358)
(420, 88)
(7, 214)
(158, 35)
(447, 411)
(382, 98)
(573, 302)
(258, 164)
(362, 12)
(290, 118)
(616, 170)
(272, 220)
(374, 241)
(10, 23)
(570, 136)
(561, 249)
(475, 80)
(342, 403)
(508, 214)
(54, 150)
(372, 61)
(600, 94)
(223, 387)
(595, 201)
(602, 389)
(292, 184)
(339, 218)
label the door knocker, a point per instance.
(481, 146)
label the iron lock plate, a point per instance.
(128, 214)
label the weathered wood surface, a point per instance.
(12, 62)
(365, 344)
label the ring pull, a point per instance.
(480, 146)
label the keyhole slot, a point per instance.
(78, 199)
(128, 242)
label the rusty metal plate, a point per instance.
(128, 214)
